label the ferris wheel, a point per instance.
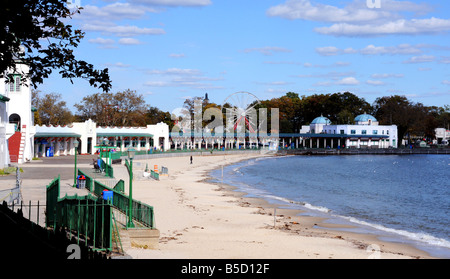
(242, 106)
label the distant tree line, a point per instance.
(128, 108)
(413, 120)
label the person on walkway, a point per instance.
(191, 160)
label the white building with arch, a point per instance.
(21, 140)
(17, 122)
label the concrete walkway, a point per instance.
(37, 175)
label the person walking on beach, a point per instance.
(191, 160)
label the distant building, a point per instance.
(58, 140)
(365, 133)
(442, 136)
(21, 140)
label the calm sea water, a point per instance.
(399, 198)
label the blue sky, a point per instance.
(170, 50)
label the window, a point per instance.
(342, 132)
(17, 82)
(353, 132)
(375, 132)
(387, 132)
(14, 84)
(364, 132)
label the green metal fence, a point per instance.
(142, 212)
(118, 154)
(52, 200)
(154, 174)
(88, 217)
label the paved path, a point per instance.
(37, 175)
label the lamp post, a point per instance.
(106, 151)
(75, 144)
(131, 153)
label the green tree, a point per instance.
(413, 120)
(51, 110)
(37, 33)
(126, 108)
(154, 116)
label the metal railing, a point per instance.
(142, 212)
(34, 212)
(84, 216)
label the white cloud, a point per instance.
(444, 60)
(175, 71)
(116, 11)
(121, 30)
(157, 83)
(177, 55)
(275, 83)
(328, 51)
(304, 9)
(356, 19)
(117, 65)
(177, 77)
(446, 82)
(375, 82)
(348, 81)
(173, 2)
(267, 50)
(331, 50)
(101, 41)
(420, 59)
(331, 75)
(381, 76)
(402, 26)
(129, 41)
(401, 49)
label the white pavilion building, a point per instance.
(365, 133)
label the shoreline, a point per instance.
(292, 222)
(197, 212)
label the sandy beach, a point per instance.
(202, 220)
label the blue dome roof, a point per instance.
(365, 118)
(321, 120)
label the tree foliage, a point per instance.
(51, 109)
(34, 32)
(413, 120)
(126, 108)
(154, 116)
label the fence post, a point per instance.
(78, 223)
(95, 219)
(37, 213)
(87, 219)
(103, 222)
